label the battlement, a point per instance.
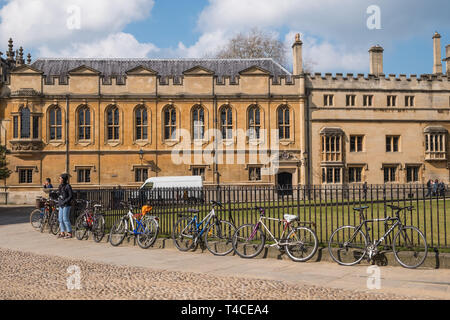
(390, 81)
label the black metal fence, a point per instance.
(328, 207)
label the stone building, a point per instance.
(110, 122)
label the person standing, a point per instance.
(48, 184)
(64, 205)
(429, 183)
(435, 187)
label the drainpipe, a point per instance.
(67, 133)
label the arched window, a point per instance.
(55, 123)
(170, 123)
(198, 122)
(141, 118)
(84, 123)
(284, 123)
(254, 122)
(25, 127)
(226, 122)
(112, 125)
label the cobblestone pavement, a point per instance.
(31, 276)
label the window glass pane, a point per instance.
(87, 117)
(15, 127)
(116, 116)
(25, 123)
(52, 116)
(58, 117)
(35, 127)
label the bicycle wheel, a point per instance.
(248, 242)
(302, 244)
(184, 234)
(350, 245)
(98, 228)
(54, 223)
(118, 232)
(148, 233)
(219, 237)
(36, 218)
(410, 247)
(80, 227)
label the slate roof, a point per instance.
(164, 67)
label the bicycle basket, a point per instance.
(40, 203)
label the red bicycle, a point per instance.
(91, 220)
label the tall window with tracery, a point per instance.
(198, 123)
(112, 125)
(55, 123)
(226, 122)
(84, 123)
(141, 123)
(284, 123)
(254, 122)
(170, 123)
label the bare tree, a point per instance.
(255, 44)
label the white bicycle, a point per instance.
(144, 228)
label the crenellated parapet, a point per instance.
(383, 81)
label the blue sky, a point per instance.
(334, 32)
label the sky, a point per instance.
(336, 34)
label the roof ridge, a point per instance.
(157, 59)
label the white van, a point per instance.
(174, 189)
(173, 182)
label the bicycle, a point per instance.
(216, 234)
(144, 228)
(300, 245)
(409, 244)
(90, 221)
(47, 216)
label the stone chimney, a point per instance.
(376, 60)
(297, 55)
(447, 59)
(437, 65)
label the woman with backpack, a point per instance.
(64, 205)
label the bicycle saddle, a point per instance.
(193, 210)
(361, 208)
(290, 217)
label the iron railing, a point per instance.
(328, 207)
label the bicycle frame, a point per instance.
(206, 220)
(287, 225)
(134, 227)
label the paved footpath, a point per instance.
(34, 266)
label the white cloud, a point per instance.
(34, 22)
(324, 56)
(123, 45)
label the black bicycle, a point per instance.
(348, 245)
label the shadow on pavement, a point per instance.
(15, 215)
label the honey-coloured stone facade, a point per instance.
(114, 122)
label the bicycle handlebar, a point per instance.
(216, 203)
(262, 211)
